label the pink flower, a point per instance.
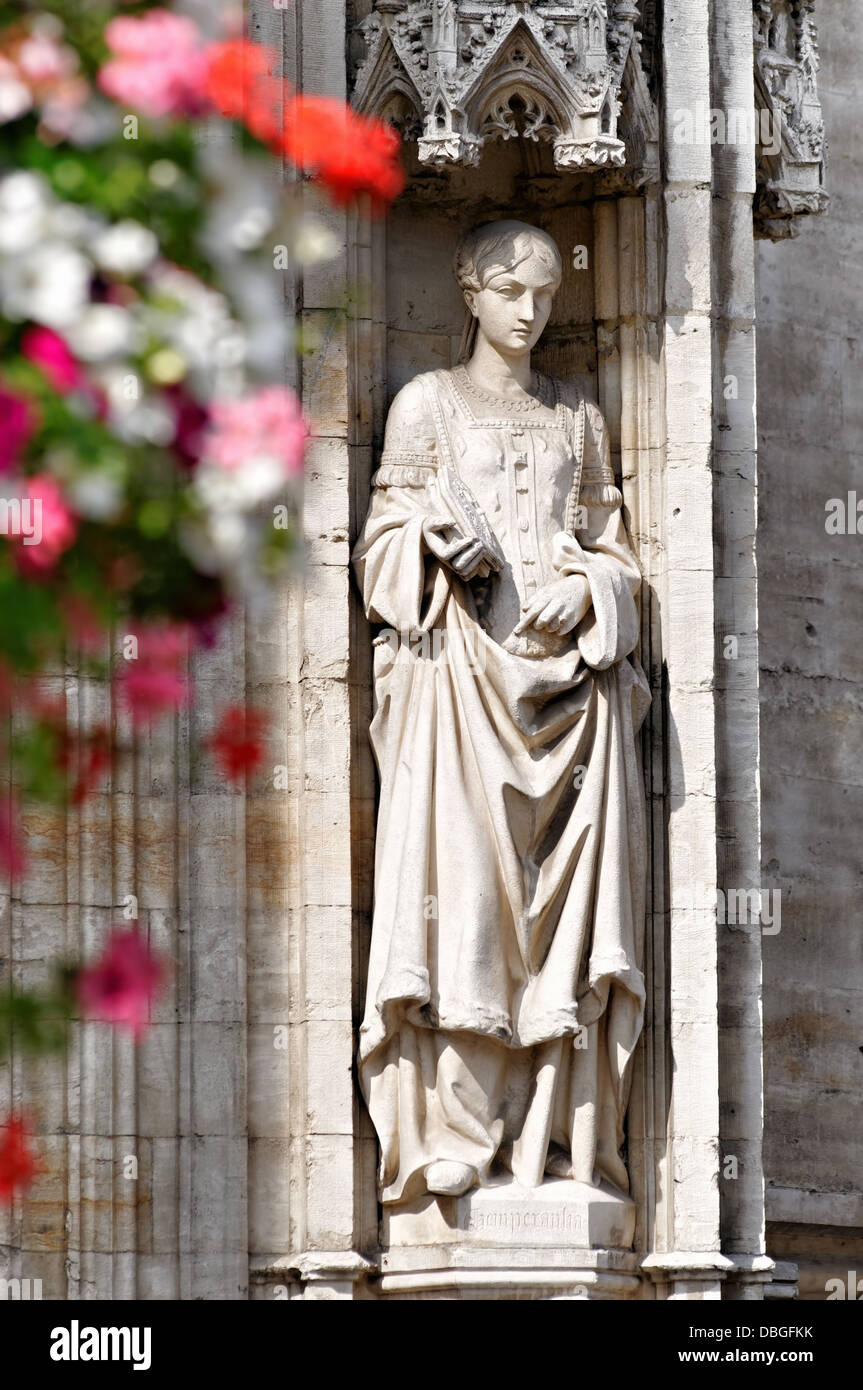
(18, 424)
(48, 351)
(153, 682)
(57, 523)
(123, 983)
(268, 424)
(42, 59)
(159, 68)
(12, 858)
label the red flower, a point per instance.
(49, 352)
(350, 154)
(240, 85)
(237, 743)
(17, 1163)
(18, 424)
(123, 983)
(95, 760)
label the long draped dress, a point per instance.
(505, 993)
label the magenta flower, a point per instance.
(159, 67)
(123, 983)
(18, 424)
(154, 682)
(48, 351)
(269, 424)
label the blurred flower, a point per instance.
(12, 857)
(166, 366)
(18, 424)
(220, 542)
(58, 524)
(15, 96)
(95, 761)
(17, 1163)
(126, 248)
(96, 494)
(49, 283)
(123, 983)
(190, 422)
(348, 153)
(23, 203)
(38, 70)
(266, 425)
(102, 331)
(313, 241)
(51, 354)
(154, 682)
(240, 85)
(237, 744)
(42, 59)
(194, 320)
(159, 67)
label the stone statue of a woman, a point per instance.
(505, 994)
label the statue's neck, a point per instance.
(501, 376)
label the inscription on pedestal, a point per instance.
(534, 1223)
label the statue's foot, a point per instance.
(449, 1179)
(559, 1165)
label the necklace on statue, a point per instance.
(521, 405)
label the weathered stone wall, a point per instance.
(810, 414)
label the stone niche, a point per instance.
(551, 113)
(486, 97)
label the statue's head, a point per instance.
(509, 273)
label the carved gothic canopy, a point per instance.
(455, 74)
(790, 177)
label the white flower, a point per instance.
(96, 494)
(15, 96)
(314, 242)
(127, 248)
(250, 230)
(150, 421)
(101, 331)
(23, 205)
(71, 222)
(226, 490)
(216, 543)
(199, 324)
(49, 284)
(243, 208)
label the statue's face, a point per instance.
(513, 306)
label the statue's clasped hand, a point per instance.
(557, 607)
(467, 556)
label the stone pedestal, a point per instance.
(561, 1240)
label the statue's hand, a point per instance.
(557, 607)
(467, 557)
